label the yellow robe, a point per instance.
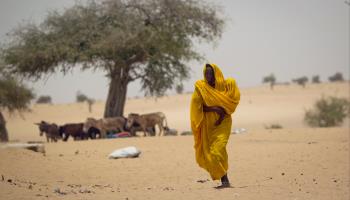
(210, 140)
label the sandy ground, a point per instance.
(295, 162)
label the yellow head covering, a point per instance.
(219, 77)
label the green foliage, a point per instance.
(44, 99)
(337, 77)
(301, 81)
(270, 79)
(148, 39)
(328, 112)
(316, 79)
(14, 95)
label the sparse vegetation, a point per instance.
(80, 98)
(270, 79)
(316, 79)
(179, 89)
(274, 126)
(301, 81)
(14, 96)
(337, 77)
(45, 99)
(327, 112)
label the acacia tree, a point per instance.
(301, 81)
(270, 79)
(14, 96)
(150, 40)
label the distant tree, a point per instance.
(90, 103)
(330, 111)
(81, 97)
(146, 40)
(14, 96)
(44, 99)
(301, 81)
(337, 77)
(179, 89)
(270, 79)
(316, 79)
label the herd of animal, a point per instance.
(99, 128)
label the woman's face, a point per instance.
(209, 75)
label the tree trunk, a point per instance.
(3, 131)
(117, 93)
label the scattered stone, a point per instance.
(9, 180)
(202, 181)
(282, 174)
(301, 174)
(335, 181)
(2, 177)
(312, 143)
(60, 155)
(58, 191)
(30, 187)
(168, 188)
(76, 152)
(85, 191)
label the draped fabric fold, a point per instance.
(210, 140)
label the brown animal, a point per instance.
(105, 124)
(147, 121)
(75, 130)
(50, 130)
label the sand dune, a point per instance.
(295, 162)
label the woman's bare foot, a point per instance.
(225, 183)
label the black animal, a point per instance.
(50, 130)
(75, 130)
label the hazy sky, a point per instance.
(290, 38)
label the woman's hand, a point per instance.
(219, 110)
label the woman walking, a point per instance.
(213, 102)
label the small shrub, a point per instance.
(328, 112)
(337, 77)
(44, 99)
(316, 79)
(301, 81)
(274, 126)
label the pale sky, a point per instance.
(290, 38)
